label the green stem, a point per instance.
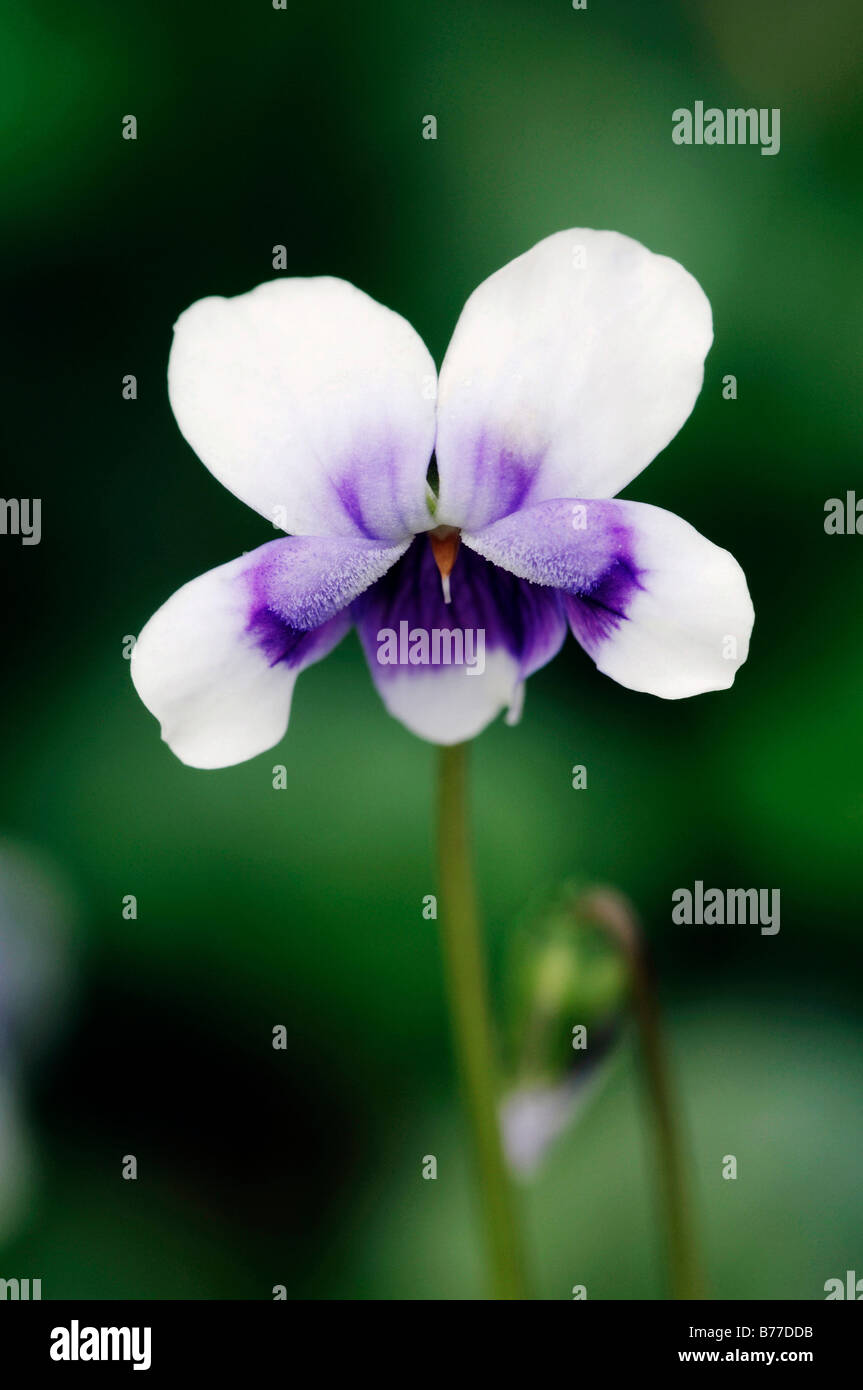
(464, 968)
(614, 913)
(684, 1267)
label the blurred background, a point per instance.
(302, 907)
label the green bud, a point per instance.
(568, 982)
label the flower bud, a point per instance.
(568, 981)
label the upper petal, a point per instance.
(312, 403)
(569, 370)
(658, 607)
(217, 663)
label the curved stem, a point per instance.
(467, 988)
(683, 1262)
(616, 916)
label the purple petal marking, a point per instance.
(300, 588)
(596, 616)
(295, 646)
(304, 580)
(524, 619)
(346, 491)
(498, 473)
(584, 549)
(364, 492)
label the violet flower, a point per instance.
(568, 371)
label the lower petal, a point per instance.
(446, 670)
(657, 606)
(217, 663)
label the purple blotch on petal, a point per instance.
(346, 492)
(292, 645)
(582, 549)
(524, 619)
(498, 473)
(596, 615)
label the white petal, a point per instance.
(211, 672)
(657, 606)
(312, 403)
(569, 370)
(689, 624)
(449, 705)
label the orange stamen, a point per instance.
(444, 543)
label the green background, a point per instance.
(303, 907)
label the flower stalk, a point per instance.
(614, 913)
(467, 989)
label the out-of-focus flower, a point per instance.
(36, 913)
(568, 984)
